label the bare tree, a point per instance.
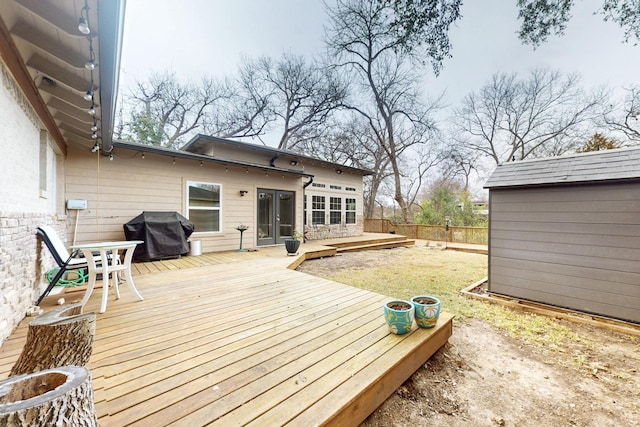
(302, 96)
(623, 117)
(385, 79)
(164, 110)
(245, 109)
(513, 119)
(458, 163)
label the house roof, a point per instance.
(201, 144)
(204, 158)
(598, 166)
(46, 53)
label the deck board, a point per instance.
(239, 339)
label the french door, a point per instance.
(276, 214)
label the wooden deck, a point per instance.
(240, 339)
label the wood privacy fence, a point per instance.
(473, 235)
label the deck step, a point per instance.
(339, 243)
(373, 246)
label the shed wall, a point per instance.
(573, 246)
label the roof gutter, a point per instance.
(111, 25)
(179, 154)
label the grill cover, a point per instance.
(164, 234)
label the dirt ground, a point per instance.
(483, 377)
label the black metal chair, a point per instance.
(65, 260)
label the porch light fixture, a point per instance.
(88, 96)
(243, 192)
(83, 22)
(83, 26)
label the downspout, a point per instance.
(304, 187)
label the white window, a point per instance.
(203, 205)
(335, 210)
(350, 211)
(317, 210)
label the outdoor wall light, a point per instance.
(83, 22)
(83, 26)
(243, 192)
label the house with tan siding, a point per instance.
(59, 68)
(272, 192)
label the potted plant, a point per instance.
(293, 244)
(427, 310)
(399, 316)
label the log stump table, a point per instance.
(59, 337)
(53, 397)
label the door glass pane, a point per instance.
(265, 215)
(286, 209)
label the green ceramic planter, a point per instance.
(427, 310)
(399, 315)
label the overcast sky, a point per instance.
(198, 37)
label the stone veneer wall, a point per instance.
(24, 263)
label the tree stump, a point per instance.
(53, 397)
(60, 337)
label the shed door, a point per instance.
(276, 213)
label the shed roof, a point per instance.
(609, 165)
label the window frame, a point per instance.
(189, 208)
(335, 207)
(350, 212)
(318, 209)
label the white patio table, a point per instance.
(107, 262)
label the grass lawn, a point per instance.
(432, 271)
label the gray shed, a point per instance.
(565, 231)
